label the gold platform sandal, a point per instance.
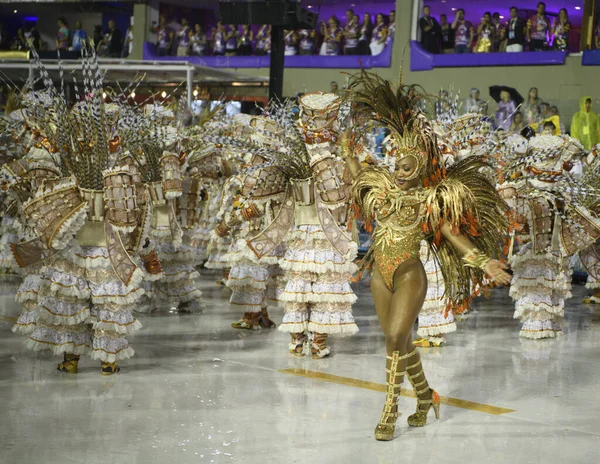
(110, 368)
(319, 348)
(419, 418)
(250, 321)
(297, 344)
(70, 364)
(387, 424)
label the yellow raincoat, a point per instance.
(585, 126)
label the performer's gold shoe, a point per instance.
(250, 321)
(429, 343)
(70, 364)
(265, 321)
(297, 344)
(387, 424)
(419, 418)
(319, 348)
(110, 368)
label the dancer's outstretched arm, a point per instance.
(473, 257)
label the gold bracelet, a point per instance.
(476, 259)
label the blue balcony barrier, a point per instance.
(383, 60)
(422, 60)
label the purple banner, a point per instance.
(383, 60)
(421, 60)
(591, 58)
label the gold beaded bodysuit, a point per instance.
(399, 233)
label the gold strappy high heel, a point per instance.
(385, 429)
(419, 418)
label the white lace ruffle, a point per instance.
(434, 323)
(29, 288)
(302, 291)
(75, 342)
(539, 329)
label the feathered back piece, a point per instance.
(471, 205)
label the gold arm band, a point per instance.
(476, 259)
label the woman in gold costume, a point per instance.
(458, 211)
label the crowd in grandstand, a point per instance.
(356, 36)
(108, 43)
(492, 34)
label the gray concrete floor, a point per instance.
(199, 391)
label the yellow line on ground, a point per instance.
(9, 319)
(458, 403)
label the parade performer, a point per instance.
(90, 283)
(255, 283)
(458, 211)
(556, 224)
(318, 262)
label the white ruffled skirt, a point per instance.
(432, 319)
(255, 283)
(83, 307)
(317, 296)
(541, 284)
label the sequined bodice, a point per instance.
(399, 233)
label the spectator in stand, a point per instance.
(218, 40)
(231, 41)
(366, 30)
(473, 104)
(499, 42)
(544, 110)
(198, 41)
(585, 125)
(102, 49)
(447, 35)
(20, 42)
(245, 42)
(332, 37)
(291, 43)
(549, 128)
(128, 47)
(537, 29)
(97, 35)
(597, 36)
(164, 36)
(554, 114)
(351, 32)
(263, 40)
(379, 35)
(183, 36)
(485, 34)
(430, 38)
(308, 41)
(78, 37)
(391, 27)
(62, 36)
(33, 36)
(463, 33)
(518, 123)
(560, 31)
(531, 108)
(115, 42)
(515, 32)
